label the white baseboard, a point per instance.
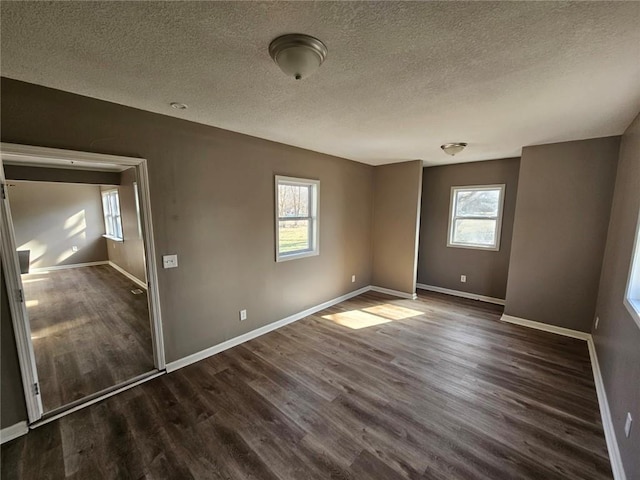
(605, 413)
(395, 293)
(135, 280)
(64, 267)
(207, 352)
(458, 293)
(567, 332)
(14, 431)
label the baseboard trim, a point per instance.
(135, 280)
(458, 293)
(14, 431)
(605, 413)
(607, 423)
(221, 347)
(395, 293)
(567, 332)
(65, 267)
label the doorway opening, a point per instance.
(79, 265)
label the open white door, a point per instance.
(20, 319)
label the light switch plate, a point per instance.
(169, 261)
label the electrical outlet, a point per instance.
(353, 279)
(463, 278)
(243, 315)
(597, 322)
(74, 248)
(169, 261)
(627, 425)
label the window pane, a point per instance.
(477, 203)
(473, 231)
(115, 205)
(293, 200)
(293, 236)
(118, 222)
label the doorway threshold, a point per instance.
(95, 398)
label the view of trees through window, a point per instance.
(475, 216)
(294, 219)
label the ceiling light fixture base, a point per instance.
(298, 55)
(453, 148)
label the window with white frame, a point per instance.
(112, 218)
(475, 217)
(632, 295)
(297, 201)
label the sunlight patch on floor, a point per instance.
(33, 280)
(356, 319)
(393, 312)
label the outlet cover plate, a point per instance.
(169, 261)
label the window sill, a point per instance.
(633, 306)
(489, 248)
(115, 239)
(293, 256)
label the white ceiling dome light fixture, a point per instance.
(298, 55)
(453, 148)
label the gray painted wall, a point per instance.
(50, 218)
(128, 255)
(560, 229)
(43, 174)
(397, 188)
(617, 338)
(213, 204)
(12, 406)
(441, 266)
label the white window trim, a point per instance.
(314, 211)
(452, 198)
(632, 291)
(104, 214)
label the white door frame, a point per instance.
(52, 157)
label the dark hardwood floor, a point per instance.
(373, 388)
(89, 331)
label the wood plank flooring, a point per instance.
(373, 388)
(89, 331)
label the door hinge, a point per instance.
(36, 389)
(4, 195)
(21, 295)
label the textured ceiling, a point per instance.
(400, 78)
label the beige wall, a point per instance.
(50, 218)
(617, 338)
(560, 229)
(397, 188)
(213, 205)
(441, 266)
(128, 255)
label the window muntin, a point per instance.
(296, 217)
(632, 293)
(112, 217)
(475, 217)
